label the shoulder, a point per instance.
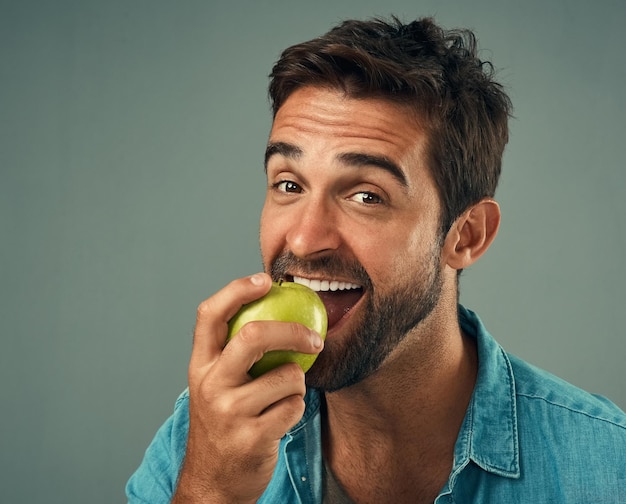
(552, 441)
(564, 431)
(540, 391)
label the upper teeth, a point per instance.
(325, 285)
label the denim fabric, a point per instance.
(528, 437)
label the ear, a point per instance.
(472, 233)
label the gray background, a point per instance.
(131, 143)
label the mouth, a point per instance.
(339, 296)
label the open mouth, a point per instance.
(339, 297)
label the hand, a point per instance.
(236, 423)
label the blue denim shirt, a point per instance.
(528, 437)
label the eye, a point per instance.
(287, 186)
(367, 198)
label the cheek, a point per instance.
(380, 255)
(269, 236)
(393, 257)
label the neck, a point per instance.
(411, 409)
(425, 379)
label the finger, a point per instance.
(257, 396)
(282, 416)
(259, 337)
(214, 313)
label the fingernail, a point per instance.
(316, 339)
(257, 279)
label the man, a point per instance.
(382, 163)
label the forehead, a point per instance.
(330, 116)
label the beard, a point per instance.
(386, 318)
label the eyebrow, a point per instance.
(361, 159)
(284, 149)
(347, 158)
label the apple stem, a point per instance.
(280, 281)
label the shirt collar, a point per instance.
(489, 435)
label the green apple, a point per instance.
(287, 302)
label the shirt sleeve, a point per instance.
(154, 482)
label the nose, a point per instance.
(315, 231)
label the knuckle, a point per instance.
(299, 332)
(292, 373)
(250, 334)
(224, 405)
(205, 309)
(300, 337)
(251, 434)
(293, 410)
(289, 374)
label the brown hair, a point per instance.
(435, 72)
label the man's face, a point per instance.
(352, 210)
